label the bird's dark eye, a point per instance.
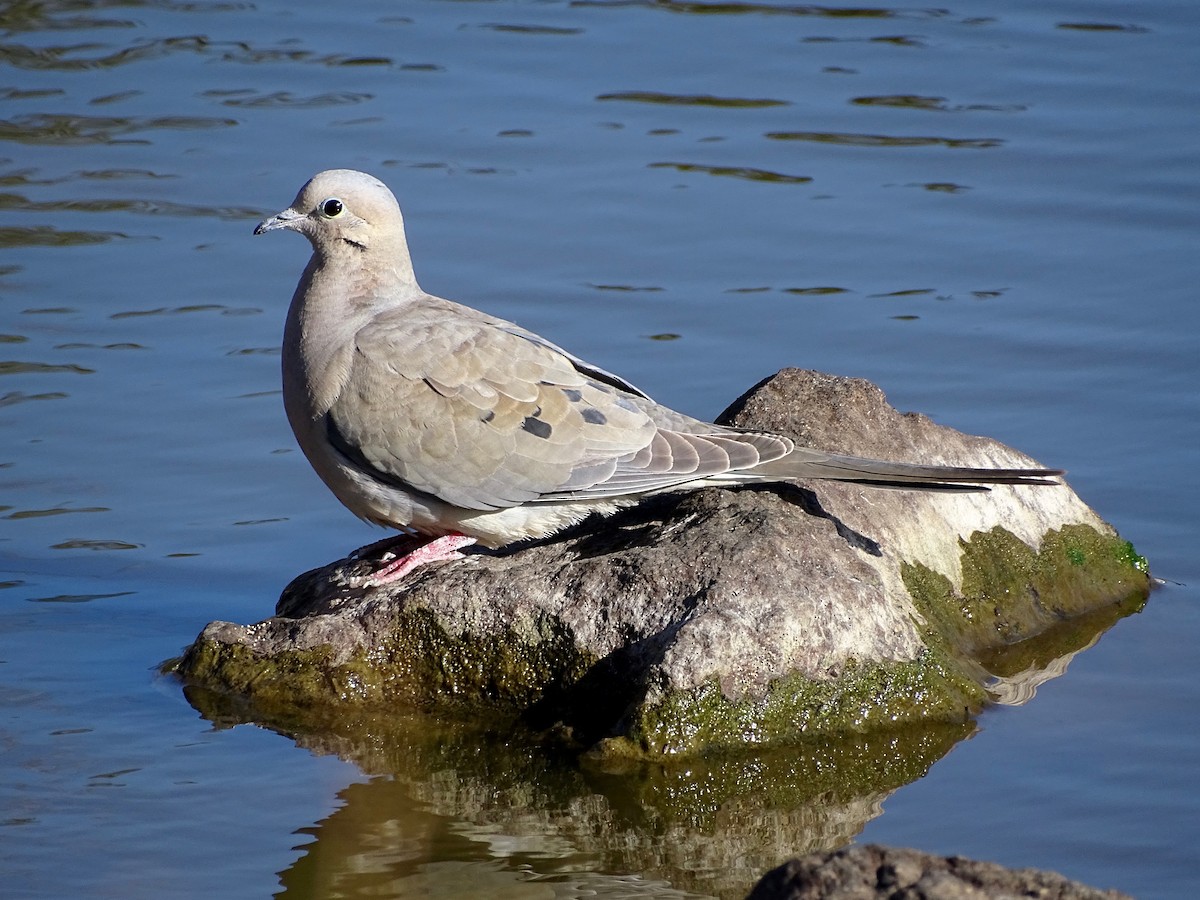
(332, 207)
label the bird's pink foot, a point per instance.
(444, 547)
(391, 546)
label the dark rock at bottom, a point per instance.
(871, 871)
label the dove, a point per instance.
(455, 427)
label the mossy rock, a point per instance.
(716, 620)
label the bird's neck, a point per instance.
(337, 295)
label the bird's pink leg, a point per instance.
(394, 544)
(444, 547)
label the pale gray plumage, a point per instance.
(427, 416)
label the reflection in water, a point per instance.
(815, 291)
(1019, 670)
(746, 172)
(190, 308)
(943, 187)
(899, 40)
(48, 236)
(488, 799)
(80, 598)
(12, 398)
(531, 29)
(143, 207)
(692, 100)
(1102, 26)
(745, 7)
(938, 104)
(884, 140)
(89, 345)
(450, 791)
(55, 511)
(87, 544)
(23, 177)
(57, 129)
(252, 99)
(17, 367)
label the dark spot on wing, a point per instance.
(573, 395)
(537, 427)
(594, 416)
(488, 416)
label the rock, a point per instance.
(871, 871)
(719, 618)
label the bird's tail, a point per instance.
(803, 463)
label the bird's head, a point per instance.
(342, 207)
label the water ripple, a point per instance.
(141, 207)
(17, 367)
(27, 177)
(899, 40)
(1102, 26)
(54, 511)
(937, 104)
(735, 172)
(48, 236)
(80, 598)
(61, 129)
(692, 100)
(530, 29)
(252, 99)
(815, 291)
(883, 140)
(83, 57)
(12, 398)
(86, 544)
(192, 308)
(744, 8)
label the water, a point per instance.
(990, 210)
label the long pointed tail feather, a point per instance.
(803, 463)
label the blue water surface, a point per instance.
(991, 210)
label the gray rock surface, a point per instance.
(719, 618)
(871, 871)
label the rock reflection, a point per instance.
(449, 794)
(1020, 669)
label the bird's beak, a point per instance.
(286, 219)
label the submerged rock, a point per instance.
(719, 618)
(869, 871)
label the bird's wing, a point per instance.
(486, 417)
